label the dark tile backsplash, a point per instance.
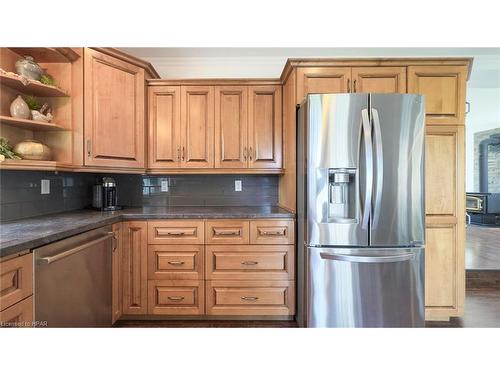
(20, 191)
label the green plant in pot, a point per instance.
(6, 151)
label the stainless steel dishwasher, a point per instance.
(73, 280)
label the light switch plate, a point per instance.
(164, 185)
(237, 185)
(45, 184)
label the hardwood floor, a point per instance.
(206, 324)
(482, 247)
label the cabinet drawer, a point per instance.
(275, 232)
(16, 280)
(250, 262)
(227, 232)
(175, 232)
(175, 262)
(19, 315)
(176, 297)
(250, 297)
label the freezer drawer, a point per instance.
(365, 287)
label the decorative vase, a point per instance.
(19, 108)
(33, 150)
(28, 68)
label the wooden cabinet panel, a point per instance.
(322, 80)
(135, 270)
(265, 127)
(175, 262)
(444, 90)
(176, 297)
(176, 232)
(164, 127)
(384, 80)
(231, 126)
(117, 273)
(197, 125)
(16, 280)
(250, 297)
(227, 232)
(250, 262)
(277, 232)
(113, 112)
(444, 169)
(18, 315)
(441, 266)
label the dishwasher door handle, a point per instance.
(67, 253)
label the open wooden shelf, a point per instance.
(33, 88)
(47, 55)
(34, 165)
(30, 124)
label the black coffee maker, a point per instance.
(105, 197)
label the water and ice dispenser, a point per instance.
(342, 195)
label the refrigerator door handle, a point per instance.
(367, 136)
(380, 167)
(368, 259)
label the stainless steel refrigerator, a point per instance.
(361, 215)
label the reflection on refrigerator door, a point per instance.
(365, 287)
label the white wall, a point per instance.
(484, 115)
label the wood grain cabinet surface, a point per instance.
(277, 232)
(322, 80)
(176, 297)
(114, 112)
(117, 273)
(381, 80)
(19, 315)
(227, 232)
(16, 280)
(176, 232)
(176, 262)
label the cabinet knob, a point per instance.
(354, 86)
(176, 298)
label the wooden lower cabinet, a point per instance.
(250, 297)
(19, 315)
(134, 237)
(176, 262)
(117, 274)
(176, 297)
(16, 280)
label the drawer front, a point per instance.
(250, 298)
(176, 297)
(272, 232)
(250, 262)
(176, 232)
(19, 315)
(176, 262)
(227, 232)
(16, 280)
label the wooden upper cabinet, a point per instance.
(231, 126)
(197, 125)
(322, 80)
(164, 126)
(265, 127)
(113, 112)
(444, 90)
(384, 80)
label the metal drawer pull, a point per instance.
(64, 254)
(280, 232)
(246, 298)
(368, 259)
(176, 233)
(249, 263)
(170, 232)
(230, 232)
(176, 263)
(176, 298)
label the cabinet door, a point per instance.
(444, 90)
(164, 126)
(19, 315)
(197, 127)
(113, 112)
(264, 127)
(382, 80)
(135, 268)
(322, 80)
(117, 273)
(231, 129)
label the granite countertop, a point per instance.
(19, 235)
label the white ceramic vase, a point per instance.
(19, 108)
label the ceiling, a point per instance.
(269, 62)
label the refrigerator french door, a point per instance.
(361, 216)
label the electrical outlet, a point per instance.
(45, 187)
(237, 185)
(164, 185)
